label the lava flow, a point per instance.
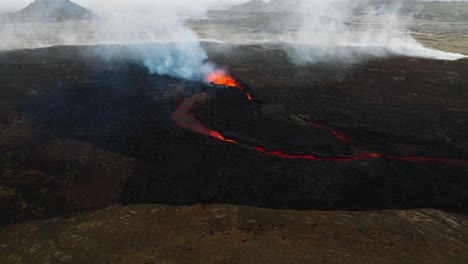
(338, 135)
(184, 119)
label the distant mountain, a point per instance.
(284, 5)
(255, 6)
(250, 7)
(449, 11)
(49, 11)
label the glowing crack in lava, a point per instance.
(184, 119)
(338, 135)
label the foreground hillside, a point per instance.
(235, 234)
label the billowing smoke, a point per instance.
(346, 29)
(159, 39)
(153, 32)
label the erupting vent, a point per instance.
(222, 79)
(184, 119)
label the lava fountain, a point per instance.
(220, 78)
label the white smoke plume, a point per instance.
(330, 30)
(129, 23)
(171, 48)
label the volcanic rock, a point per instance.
(49, 11)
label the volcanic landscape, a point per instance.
(261, 155)
(277, 136)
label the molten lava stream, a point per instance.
(184, 119)
(283, 155)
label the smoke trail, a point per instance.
(331, 30)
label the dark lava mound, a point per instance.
(120, 108)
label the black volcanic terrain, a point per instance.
(49, 11)
(78, 132)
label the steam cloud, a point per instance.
(169, 47)
(329, 30)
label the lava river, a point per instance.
(184, 119)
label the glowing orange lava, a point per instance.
(184, 119)
(220, 78)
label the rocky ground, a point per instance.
(449, 36)
(238, 234)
